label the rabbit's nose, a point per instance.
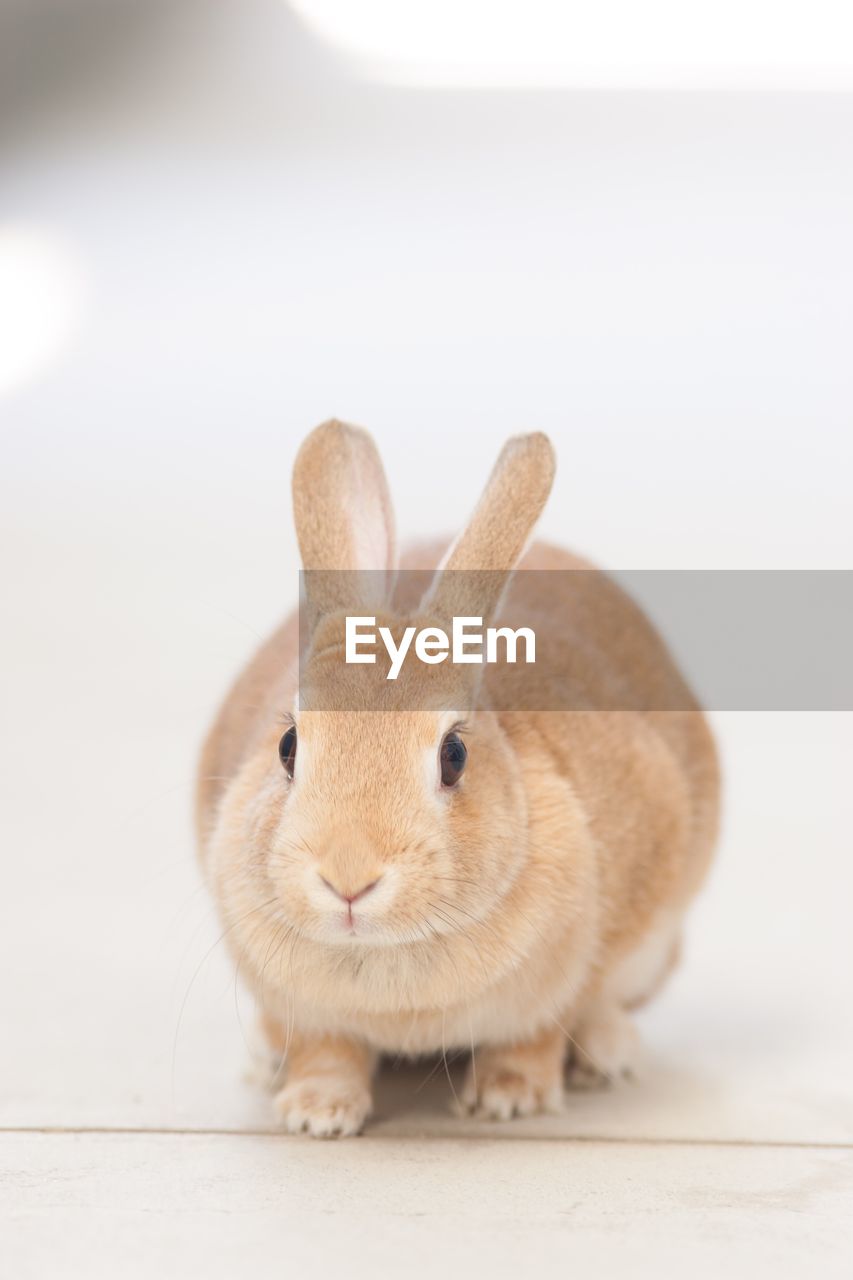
(350, 896)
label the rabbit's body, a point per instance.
(528, 907)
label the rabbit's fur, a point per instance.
(519, 914)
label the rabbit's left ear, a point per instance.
(476, 569)
(344, 518)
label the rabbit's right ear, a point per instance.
(475, 571)
(344, 519)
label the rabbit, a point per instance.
(393, 881)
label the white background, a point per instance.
(231, 235)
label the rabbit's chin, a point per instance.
(362, 934)
(385, 933)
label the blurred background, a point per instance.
(223, 221)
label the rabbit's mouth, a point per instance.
(352, 923)
(345, 911)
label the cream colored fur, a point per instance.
(520, 914)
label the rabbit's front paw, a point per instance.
(324, 1106)
(519, 1080)
(502, 1095)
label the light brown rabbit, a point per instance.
(392, 880)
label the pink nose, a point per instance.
(350, 898)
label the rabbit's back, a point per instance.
(625, 729)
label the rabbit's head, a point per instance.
(383, 813)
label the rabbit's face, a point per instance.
(393, 826)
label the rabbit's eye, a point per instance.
(287, 751)
(454, 753)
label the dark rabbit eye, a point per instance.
(454, 753)
(287, 751)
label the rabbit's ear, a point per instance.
(344, 519)
(474, 573)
